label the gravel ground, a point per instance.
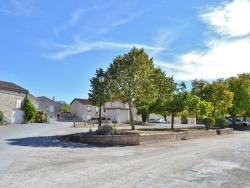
(40, 160)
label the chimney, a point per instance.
(53, 98)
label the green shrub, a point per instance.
(41, 116)
(208, 122)
(221, 122)
(1, 116)
(29, 109)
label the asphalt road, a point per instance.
(31, 156)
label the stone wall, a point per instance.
(146, 138)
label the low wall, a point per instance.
(240, 128)
(147, 138)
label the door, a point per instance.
(17, 116)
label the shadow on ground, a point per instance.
(47, 141)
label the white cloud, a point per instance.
(222, 57)
(231, 19)
(223, 60)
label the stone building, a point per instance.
(11, 101)
(52, 107)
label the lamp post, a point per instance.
(101, 78)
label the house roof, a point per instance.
(9, 86)
(43, 97)
(82, 101)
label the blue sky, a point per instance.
(53, 48)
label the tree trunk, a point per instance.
(131, 116)
(172, 121)
(144, 116)
(165, 117)
(233, 118)
(213, 114)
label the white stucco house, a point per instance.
(116, 111)
(83, 109)
(119, 112)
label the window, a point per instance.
(89, 108)
(18, 103)
(96, 109)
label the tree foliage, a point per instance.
(240, 86)
(65, 106)
(132, 80)
(97, 88)
(177, 102)
(1, 116)
(29, 109)
(216, 93)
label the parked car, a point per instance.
(152, 120)
(136, 122)
(238, 122)
(160, 121)
(5, 120)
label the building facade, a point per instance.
(83, 110)
(11, 101)
(52, 107)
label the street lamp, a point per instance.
(101, 77)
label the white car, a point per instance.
(160, 121)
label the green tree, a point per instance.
(205, 108)
(132, 80)
(29, 109)
(65, 106)
(96, 88)
(197, 107)
(216, 93)
(165, 87)
(198, 88)
(240, 86)
(178, 102)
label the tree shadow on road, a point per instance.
(47, 141)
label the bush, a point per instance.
(41, 116)
(1, 116)
(29, 109)
(221, 122)
(105, 130)
(208, 122)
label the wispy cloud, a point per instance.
(225, 56)
(17, 8)
(116, 23)
(162, 39)
(81, 46)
